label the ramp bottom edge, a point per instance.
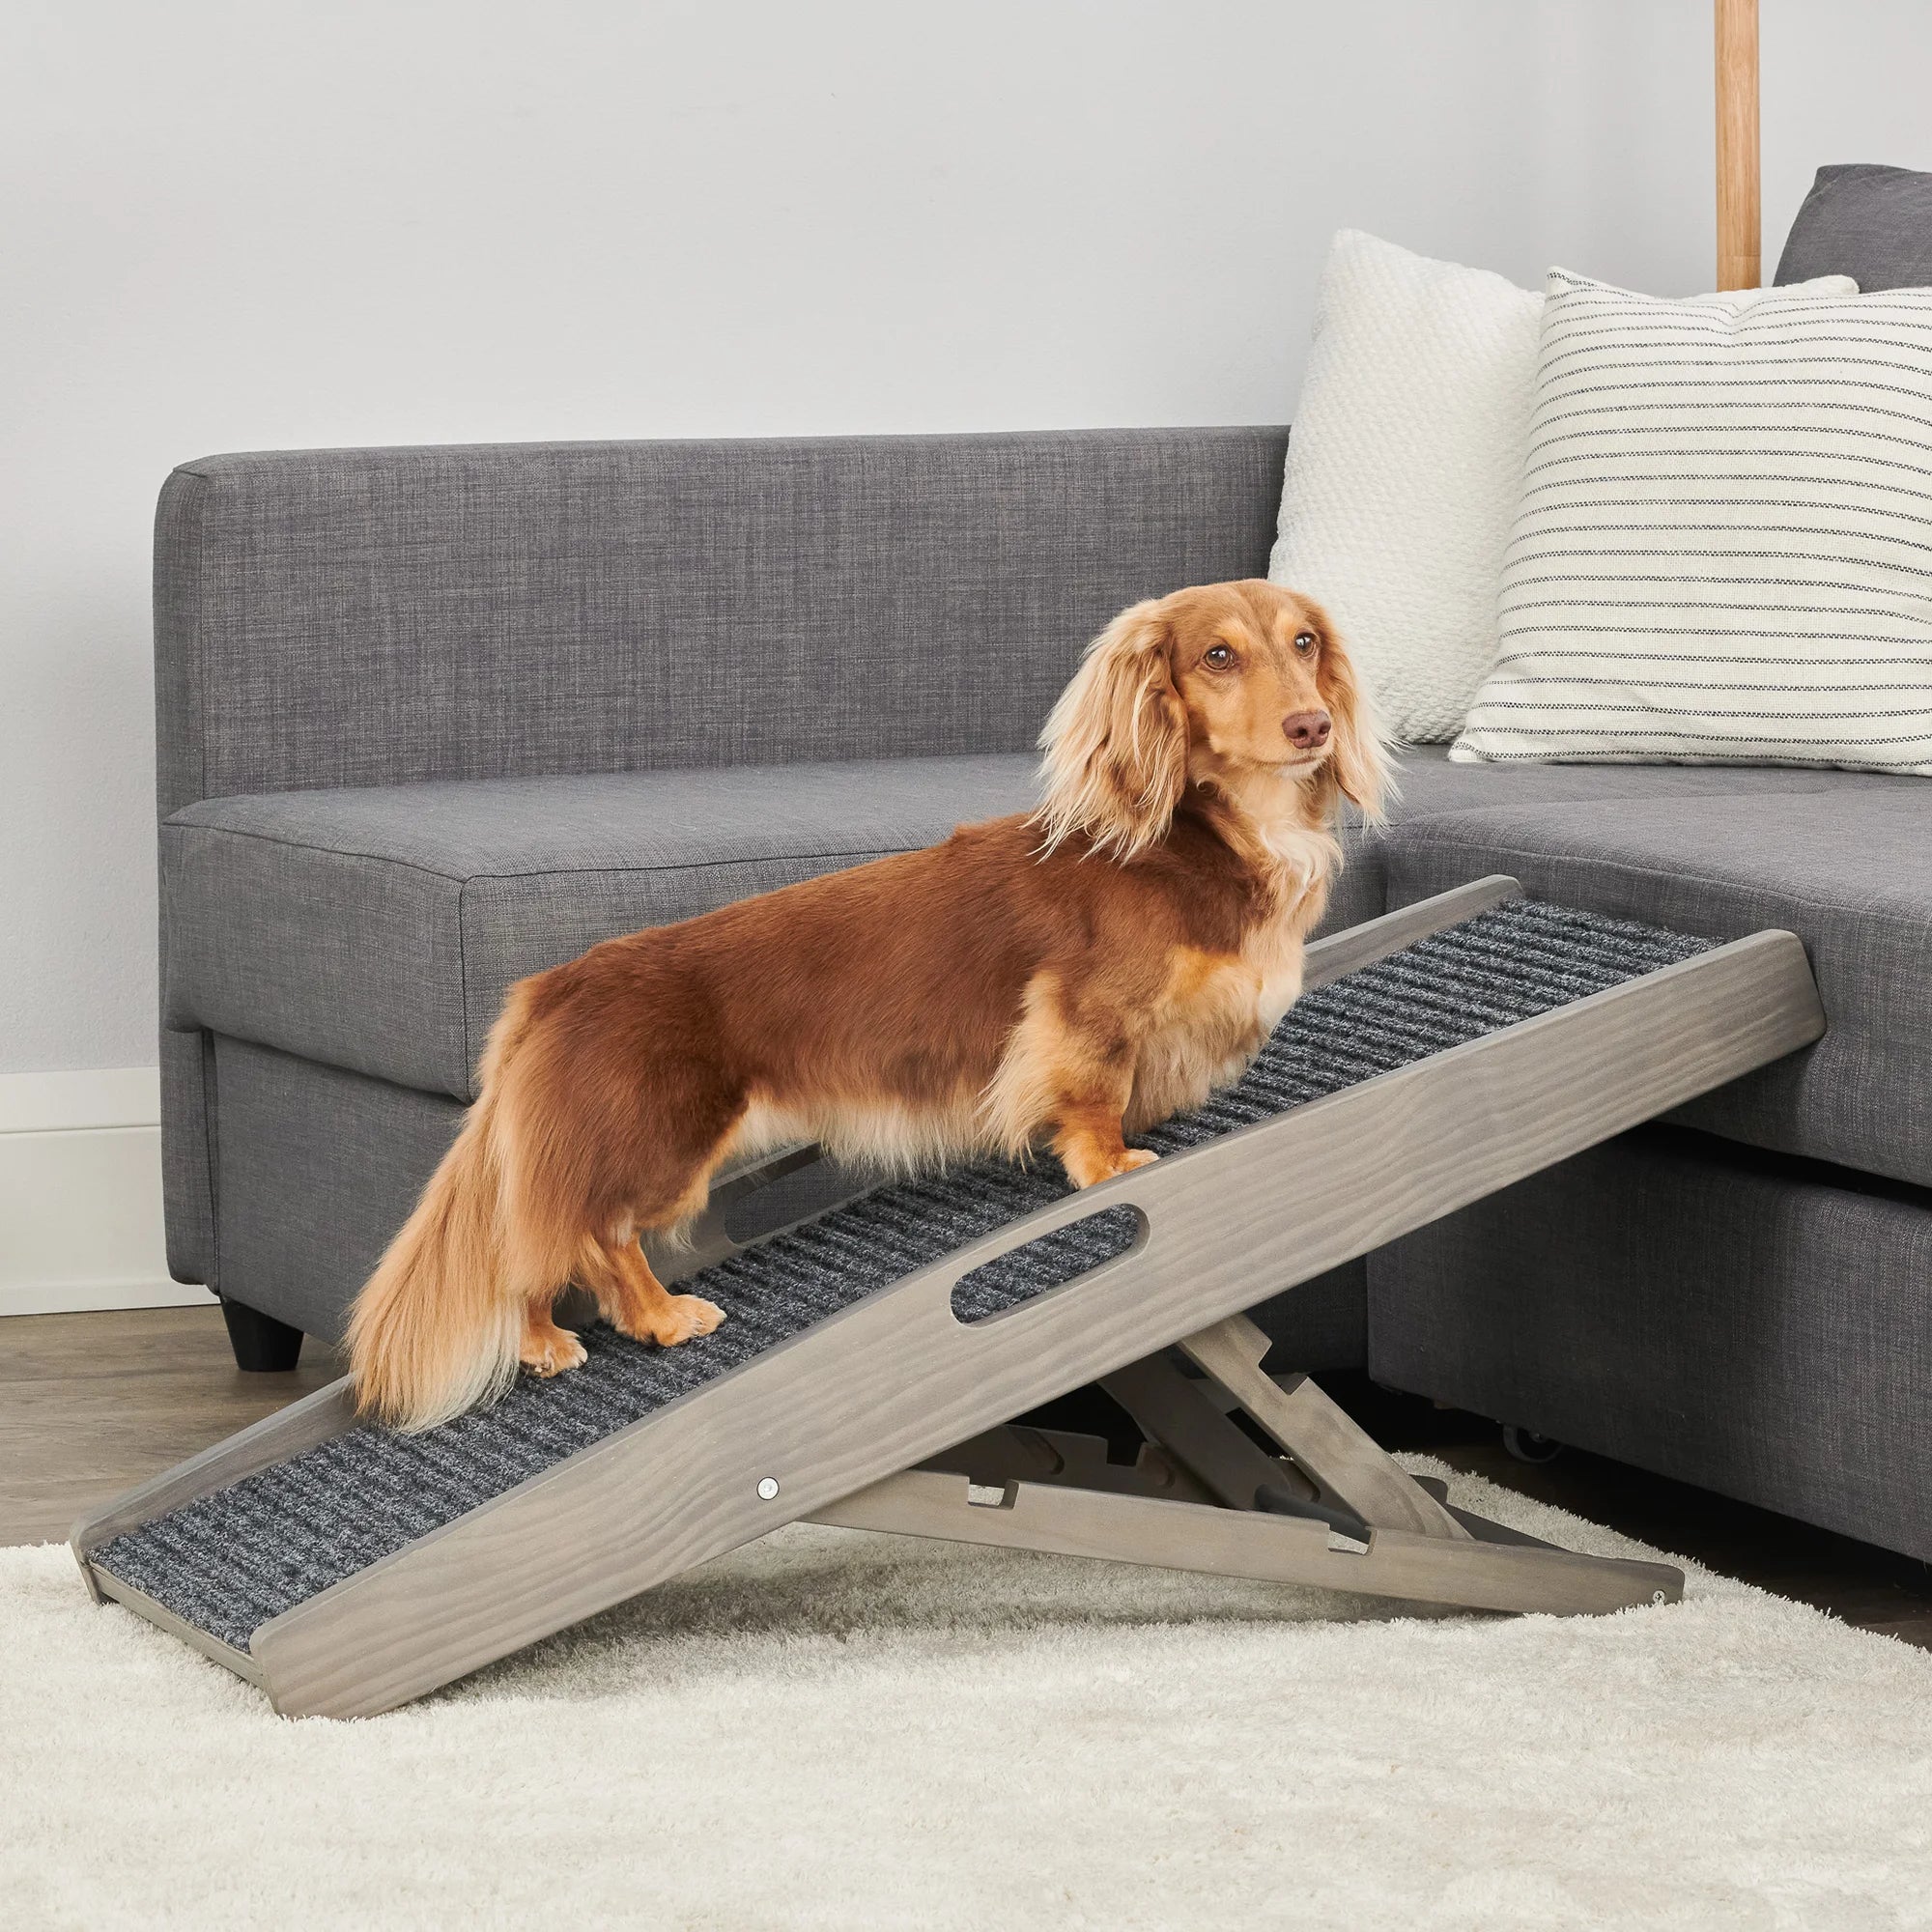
(212, 1648)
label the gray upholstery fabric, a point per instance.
(1849, 869)
(187, 1154)
(1429, 785)
(1869, 222)
(346, 617)
(377, 929)
(317, 1169)
(1730, 1319)
(188, 1117)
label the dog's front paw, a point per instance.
(551, 1352)
(682, 1316)
(1090, 1171)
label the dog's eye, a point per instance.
(1304, 642)
(1219, 656)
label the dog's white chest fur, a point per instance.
(1305, 861)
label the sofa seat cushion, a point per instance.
(1428, 786)
(1843, 861)
(376, 929)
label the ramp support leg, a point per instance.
(1334, 1510)
(1341, 1457)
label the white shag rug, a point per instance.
(837, 1730)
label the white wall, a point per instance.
(262, 224)
(80, 1193)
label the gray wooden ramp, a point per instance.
(874, 1355)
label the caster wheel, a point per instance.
(1528, 1446)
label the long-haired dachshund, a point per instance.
(1064, 977)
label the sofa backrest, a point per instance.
(332, 617)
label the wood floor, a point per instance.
(91, 1405)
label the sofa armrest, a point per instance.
(335, 617)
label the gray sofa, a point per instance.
(431, 718)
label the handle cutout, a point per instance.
(1048, 1260)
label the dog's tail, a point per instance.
(436, 1328)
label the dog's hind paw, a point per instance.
(550, 1351)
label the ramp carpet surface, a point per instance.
(229, 1561)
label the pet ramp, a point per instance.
(877, 1353)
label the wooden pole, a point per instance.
(1739, 223)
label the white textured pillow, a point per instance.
(1403, 471)
(1723, 552)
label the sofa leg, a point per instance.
(262, 1345)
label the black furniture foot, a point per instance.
(262, 1345)
(1528, 1446)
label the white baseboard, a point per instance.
(80, 1194)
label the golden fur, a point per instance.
(1064, 977)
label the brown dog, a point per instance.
(1067, 977)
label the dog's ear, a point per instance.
(1116, 743)
(1359, 759)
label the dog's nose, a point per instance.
(1306, 730)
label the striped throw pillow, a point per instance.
(1723, 552)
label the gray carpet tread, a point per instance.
(229, 1561)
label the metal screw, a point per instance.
(1656, 1596)
(768, 1488)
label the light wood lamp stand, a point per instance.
(1740, 220)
